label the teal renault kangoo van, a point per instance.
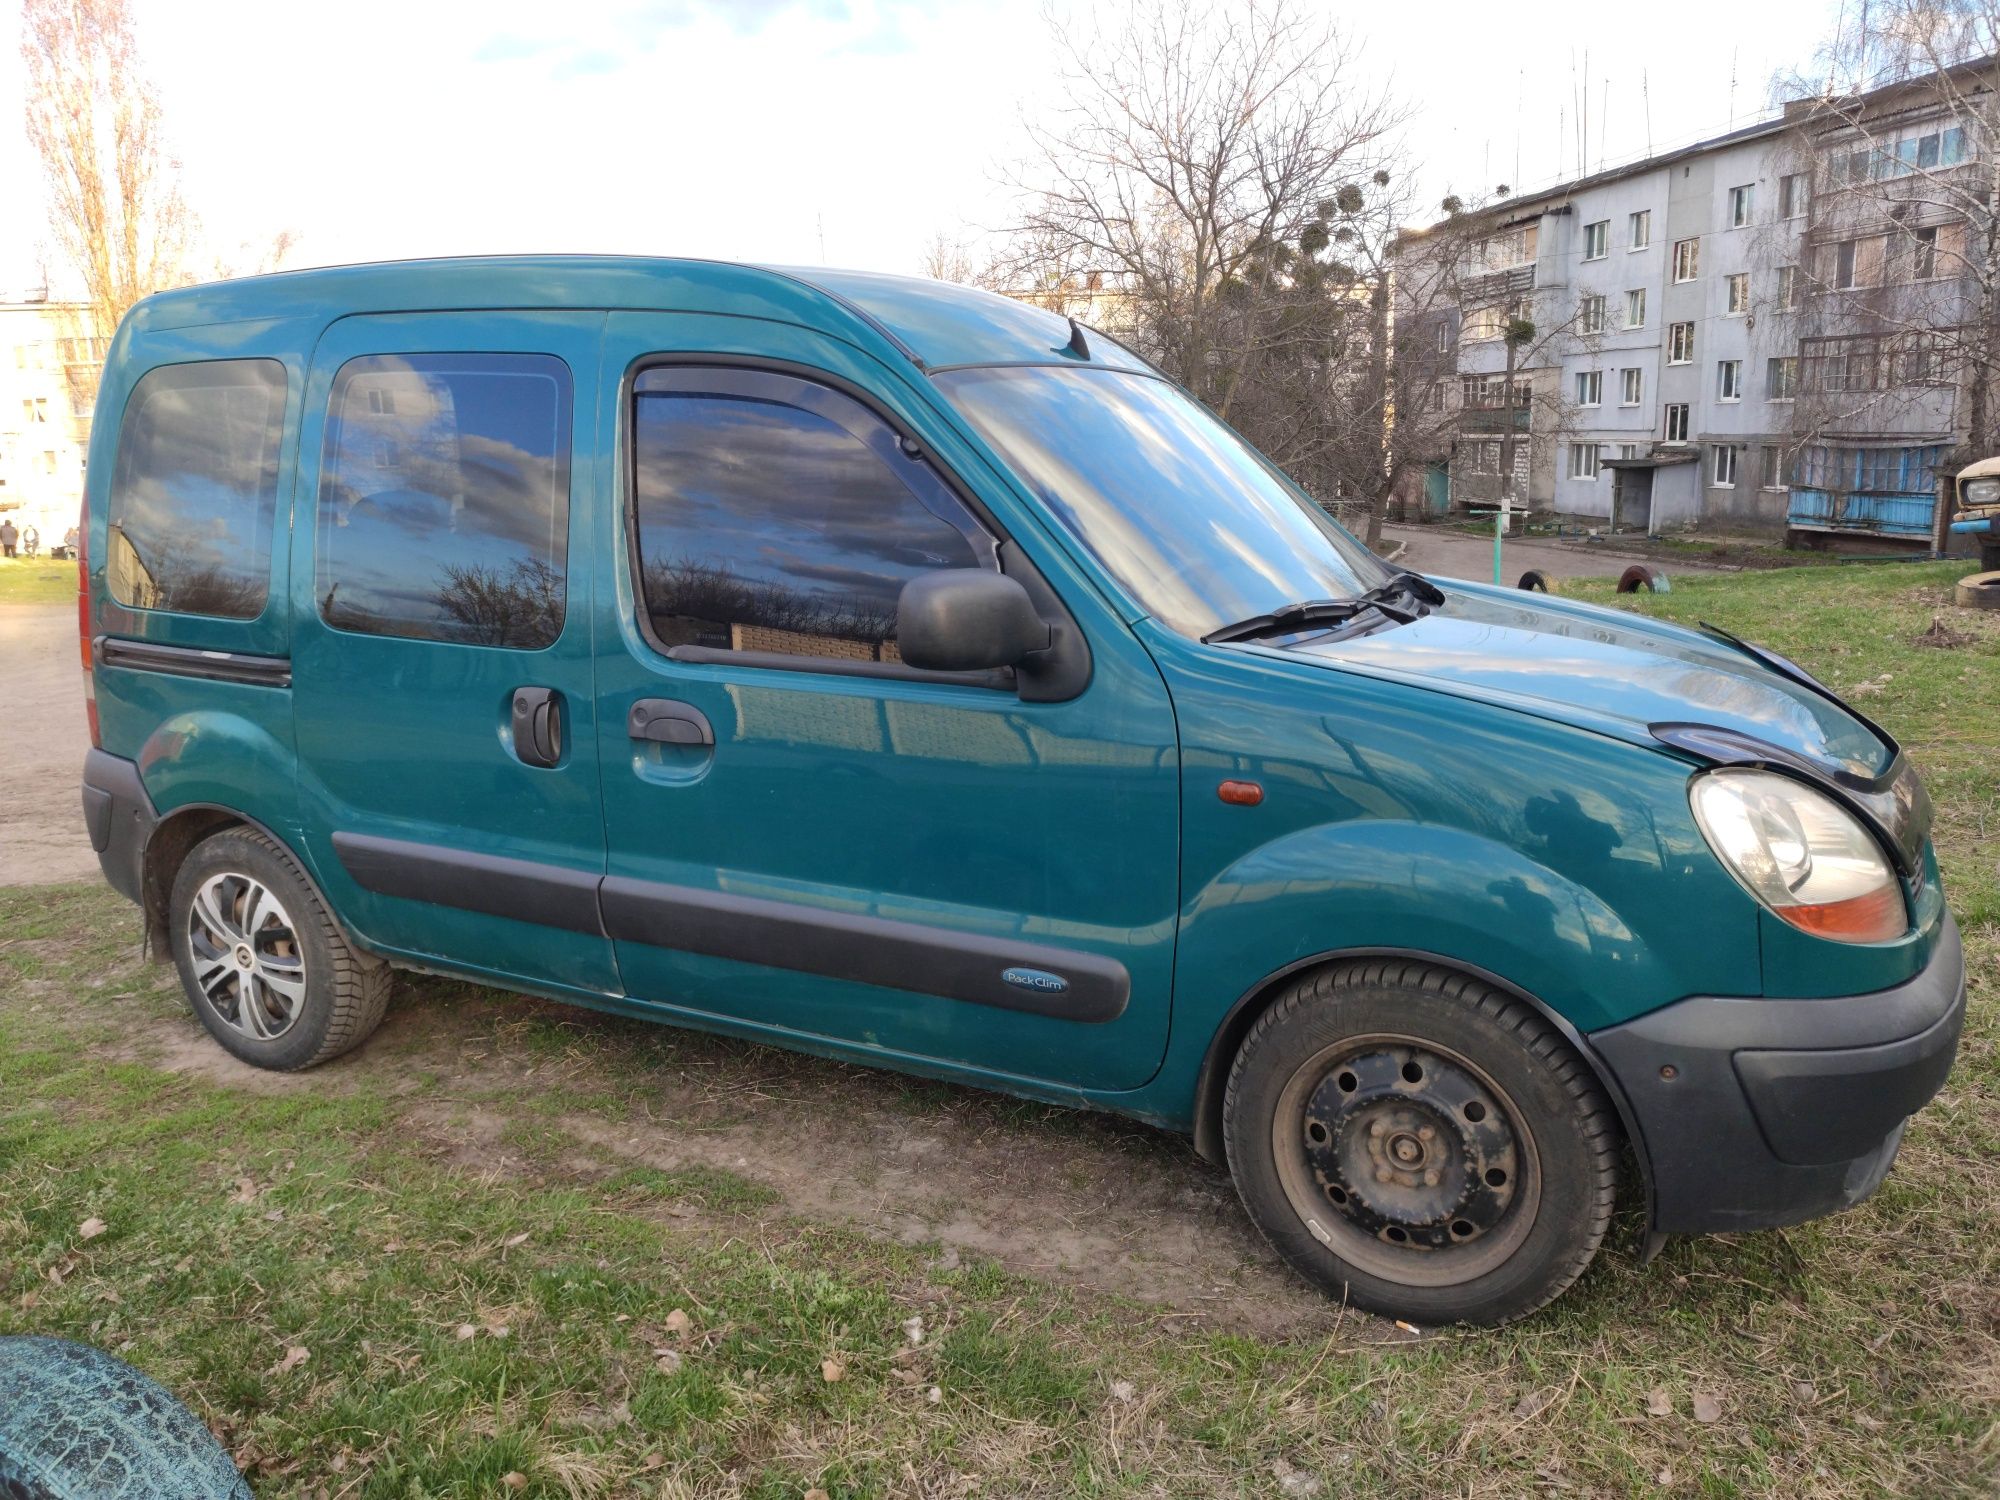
(905, 674)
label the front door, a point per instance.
(441, 653)
(804, 833)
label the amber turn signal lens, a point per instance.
(1240, 793)
(1875, 917)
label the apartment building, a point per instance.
(46, 377)
(1722, 333)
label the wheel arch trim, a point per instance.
(1211, 1082)
(154, 895)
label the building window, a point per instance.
(1631, 382)
(1923, 253)
(1794, 192)
(1596, 239)
(1635, 308)
(1742, 202)
(1738, 290)
(1677, 422)
(1680, 343)
(1687, 259)
(1722, 466)
(194, 487)
(1589, 387)
(1489, 392)
(1444, 338)
(1781, 378)
(1639, 230)
(1590, 315)
(1729, 380)
(1436, 395)
(444, 499)
(740, 551)
(36, 408)
(1484, 323)
(1583, 458)
(1788, 288)
(1774, 469)
(1857, 263)
(1628, 450)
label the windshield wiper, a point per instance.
(1310, 612)
(1303, 615)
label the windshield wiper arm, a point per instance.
(1403, 581)
(1301, 616)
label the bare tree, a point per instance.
(115, 208)
(1215, 188)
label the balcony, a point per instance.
(1496, 286)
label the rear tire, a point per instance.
(264, 965)
(1420, 1144)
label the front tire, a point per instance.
(264, 965)
(1420, 1144)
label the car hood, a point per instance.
(1566, 658)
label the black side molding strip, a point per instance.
(188, 661)
(1023, 976)
(525, 890)
(868, 950)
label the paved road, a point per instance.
(43, 735)
(1457, 554)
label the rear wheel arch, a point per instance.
(1212, 1082)
(175, 837)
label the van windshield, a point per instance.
(1195, 524)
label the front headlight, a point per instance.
(1800, 853)
(1981, 492)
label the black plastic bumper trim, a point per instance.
(896, 955)
(1758, 1113)
(120, 818)
(521, 889)
(187, 661)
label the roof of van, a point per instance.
(935, 322)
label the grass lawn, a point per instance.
(364, 1300)
(36, 580)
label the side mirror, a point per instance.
(967, 620)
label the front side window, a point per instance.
(444, 498)
(776, 516)
(1193, 523)
(1596, 239)
(195, 486)
(1687, 259)
(1680, 343)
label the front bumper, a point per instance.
(1757, 1113)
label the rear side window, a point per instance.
(778, 516)
(194, 487)
(444, 498)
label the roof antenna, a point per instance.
(1078, 345)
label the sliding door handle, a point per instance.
(538, 726)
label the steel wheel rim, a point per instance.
(248, 964)
(1430, 1249)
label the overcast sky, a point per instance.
(844, 132)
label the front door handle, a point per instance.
(668, 721)
(538, 725)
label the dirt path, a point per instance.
(1081, 1199)
(43, 737)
